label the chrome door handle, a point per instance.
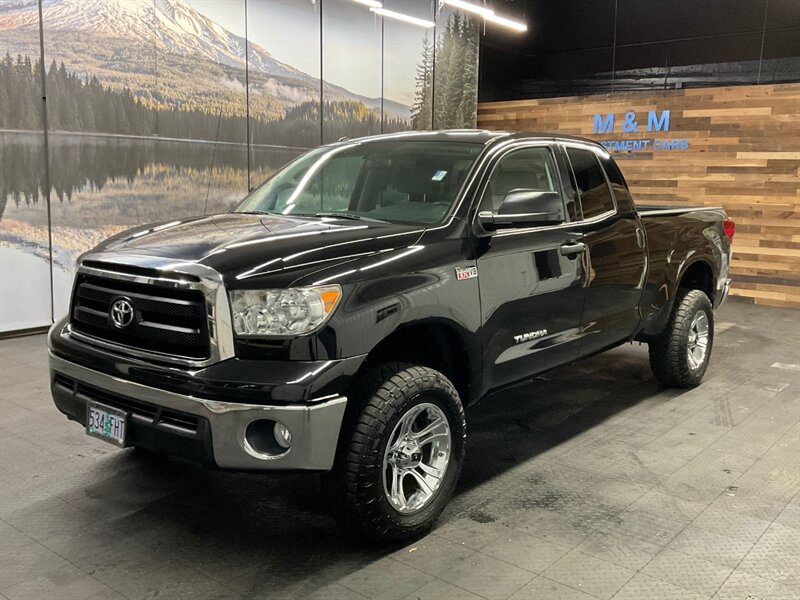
(639, 237)
(572, 249)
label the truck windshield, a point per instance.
(395, 181)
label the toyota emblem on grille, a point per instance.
(122, 313)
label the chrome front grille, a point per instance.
(181, 310)
(166, 320)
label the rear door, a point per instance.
(615, 260)
(531, 279)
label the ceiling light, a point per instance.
(474, 8)
(370, 3)
(401, 17)
(515, 25)
(486, 13)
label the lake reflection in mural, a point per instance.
(101, 185)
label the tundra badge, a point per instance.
(531, 335)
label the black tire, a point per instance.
(377, 402)
(669, 358)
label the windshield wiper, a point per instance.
(346, 215)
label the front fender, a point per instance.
(385, 293)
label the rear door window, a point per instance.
(595, 195)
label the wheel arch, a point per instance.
(696, 275)
(436, 343)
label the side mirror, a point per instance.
(524, 208)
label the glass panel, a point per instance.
(592, 185)
(530, 169)
(284, 77)
(24, 246)
(647, 22)
(351, 68)
(710, 43)
(688, 44)
(102, 106)
(621, 193)
(157, 92)
(408, 68)
(781, 59)
(455, 101)
(201, 88)
(404, 181)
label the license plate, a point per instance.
(106, 423)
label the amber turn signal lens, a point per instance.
(330, 298)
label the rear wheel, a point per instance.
(679, 356)
(401, 452)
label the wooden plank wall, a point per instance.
(743, 154)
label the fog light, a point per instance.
(265, 436)
(282, 435)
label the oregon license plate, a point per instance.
(106, 423)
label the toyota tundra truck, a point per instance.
(346, 312)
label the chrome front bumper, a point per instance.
(314, 427)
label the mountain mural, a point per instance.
(169, 54)
(151, 118)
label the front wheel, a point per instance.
(679, 356)
(401, 454)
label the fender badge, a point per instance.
(463, 273)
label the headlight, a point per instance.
(283, 312)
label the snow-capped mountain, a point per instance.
(173, 24)
(176, 28)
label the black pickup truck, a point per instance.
(344, 314)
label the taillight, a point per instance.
(730, 228)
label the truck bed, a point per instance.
(676, 237)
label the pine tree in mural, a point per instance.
(19, 91)
(86, 105)
(421, 116)
(469, 105)
(447, 83)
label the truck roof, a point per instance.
(476, 136)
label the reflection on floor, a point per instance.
(589, 483)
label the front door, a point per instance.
(531, 279)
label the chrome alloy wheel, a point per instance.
(697, 348)
(416, 458)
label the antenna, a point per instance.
(213, 158)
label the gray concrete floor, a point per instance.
(591, 482)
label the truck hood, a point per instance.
(242, 246)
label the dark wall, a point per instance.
(576, 47)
